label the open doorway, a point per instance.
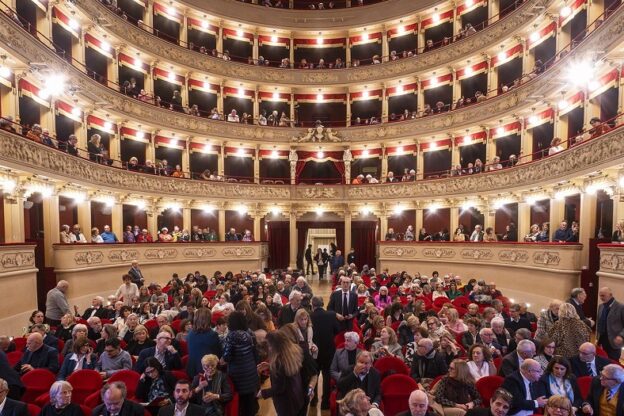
(319, 239)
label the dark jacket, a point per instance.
(191, 410)
(335, 304)
(593, 398)
(172, 361)
(219, 385)
(200, 344)
(286, 316)
(129, 408)
(71, 409)
(477, 411)
(579, 368)
(371, 384)
(514, 384)
(11, 376)
(14, 408)
(69, 365)
(580, 312)
(44, 357)
(287, 393)
(513, 326)
(240, 353)
(578, 398)
(429, 366)
(325, 327)
(145, 384)
(509, 364)
(136, 276)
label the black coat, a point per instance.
(514, 384)
(580, 312)
(44, 357)
(593, 399)
(335, 304)
(11, 376)
(434, 366)
(71, 409)
(509, 364)
(578, 398)
(14, 408)
(371, 384)
(136, 276)
(172, 361)
(325, 327)
(191, 410)
(286, 315)
(145, 384)
(239, 351)
(129, 408)
(579, 368)
(513, 326)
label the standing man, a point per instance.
(337, 261)
(577, 299)
(326, 328)
(610, 329)
(136, 274)
(344, 303)
(56, 303)
(308, 259)
(351, 257)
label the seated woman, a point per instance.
(79, 331)
(64, 331)
(455, 325)
(155, 387)
(438, 292)
(382, 299)
(456, 392)
(559, 380)
(559, 406)
(164, 236)
(81, 358)
(448, 347)
(480, 362)
(387, 345)
(490, 235)
(395, 314)
(471, 336)
(140, 341)
(60, 401)
(357, 403)
(545, 352)
(453, 292)
(373, 333)
(533, 234)
(211, 388)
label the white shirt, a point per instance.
(527, 387)
(477, 372)
(127, 292)
(180, 412)
(2, 405)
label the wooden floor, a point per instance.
(266, 406)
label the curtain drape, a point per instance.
(340, 167)
(279, 244)
(363, 239)
(300, 165)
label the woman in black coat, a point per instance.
(60, 401)
(211, 388)
(155, 386)
(239, 352)
(559, 380)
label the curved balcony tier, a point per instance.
(479, 43)
(606, 151)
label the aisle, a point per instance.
(266, 406)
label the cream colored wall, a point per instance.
(96, 269)
(18, 283)
(611, 271)
(528, 273)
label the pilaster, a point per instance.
(524, 220)
(347, 232)
(293, 238)
(84, 218)
(587, 224)
(117, 224)
(51, 227)
(221, 223)
(13, 218)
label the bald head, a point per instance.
(418, 403)
(34, 341)
(531, 369)
(62, 285)
(587, 352)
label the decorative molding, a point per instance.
(82, 258)
(399, 251)
(439, 253)
(160, 253)
(317, 192)
(199, 253)
(122, 256)
(238, 252)
(476, 254)
(546, 258)
(612, 262)
(319, 134)
(513, 256)
(17, 260)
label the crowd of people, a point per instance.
(136, 234)
(566, 233)
(187, 339)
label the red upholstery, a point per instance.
(285, 300)
(20, 343)
(435, 381)
(36, 383)
(175, 325)
(439, 302)
(395, 325)
(185, 359)
(84, 383)
(486, 386)
(43, 399)
(179, 374)
(533, 326)
(183, 348)
(584, 384)
(129, 377)
(86, 411)
(14, 357)
(33, 410)
(498, 361)
(339, 338)
(215, 317)
(333, 406)
(388, 366)
(150, 325)
(395, 392)
(601, 352)
(461, 302)
(361, 300)
(231, 409)
(95, 399)
(210, 294)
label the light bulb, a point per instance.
(108, 125)
(319, 97)
(565, 11)
(76, 111)
(5, 71)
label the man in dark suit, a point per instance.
(500, 403)
(418, 403)
(325, 327)
(515, 321)
(37, 355)
(587, 363)
(97, 309)
(182, 406)
(12, 378)
(115, 403)
(345, 303)
(528, 395)
(610, 328)
(577, 299)
(428, 363)
(363, 376)
(288, 311)
(48, 339)
(10, 407)
(606, 393)
(135, 274)
(308, 259)
(511, 362)
(164, 353)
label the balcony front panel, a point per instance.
(18, 281)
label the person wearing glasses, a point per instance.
(211, 387)
(528, 395)
(60, 401)
(559, 406)
(155, 387)
(164, 352)
(606, 393)
(113, 359)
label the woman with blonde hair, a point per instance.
(140, 341)
(373, 333)
(569, 332)
(304, 325)
(285, 364)
(456, 392)
(357, 403)
(211, 387)
(558, 406)
(387, 346)
(618, 234)
(455, 325)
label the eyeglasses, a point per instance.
(559, 409)
(167, 338)
(603, 377)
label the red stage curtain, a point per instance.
(363, 239)
(340, 167)
(279, 244)
(300, 165)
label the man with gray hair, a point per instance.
(512, 361)
(418, 403)
(115, 403)
(528, 394)
(606, 393)
(10, 407)
(288, 311)
(344, 357)
(56, 303)
(610, 327)
(428, 363)
(577, 299)
(96, 309)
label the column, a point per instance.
(78, 48)
(385, 47)
(455, 154)
(557, 212)
(384, 165)
(84, 217)
(47, 117)
(456, 22)
(148, 85)
(117, 224)
(493, 10)
(112, 67)
(489, 217)
(618, 207)
(420, 98)
(293, 238)
(526, 143)
(587, 224)
(490, 148)
(384, 105)
(348, 51)
(186, 156)
(150, 150)
(14, 218)
(528, 61)
(457, 91)
(220, 99)
(51, 227)
(419, 221)
(148, 17)
(257, 230)
(291, 53)
(114, 146)
(184, 32)
(454, 220)
(184, 91)
(492, 82)
(594, 9)
(221, 161)
(524, 219)
(10, 103)
(222, 223)
(420, 162)
(220, 39)
(421, 37)
(383, 224)
(256, 165)
(255, 53)
(348, 108)
(347, 232)
(292, 109)
(186, 218)
(152, 220)
(592, 109)
(256, 106)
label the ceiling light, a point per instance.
(593, 85)
(502, 56)
(206, 85)
(274, 154)
(240, 152)
(436, 18)
(400, 150)
(401, 30)
(533, 120)
(319, 97)
(398, 209)
(276, 95)
(433, 146)
(208, 209)
(74, 24)
(108, 125)
(434, 82)
(319, 40)
(55, 84)
(241, 209)
(140, 134)
(469, 3)
(241, 92)
(45, 94)
(171, 11)
(500, 131)
(275, 210)
(171, 76)
(399, 89)
(204, 24)
(581, 72)
(320, 154)
(365, 94)
(76, 111)
(565, 11)
(5, 71)
(46, 192)
(274, 39)
(563, 104)
(433, 207)
(207, 147)
(365, 210)
(105, 46)
(365, 37)
(319, 211)
(239, 32)
(530, 200)
(534, 37)
(467, 139)
(468, 71)
(138, 62)
(365, 153)
(467, 205)
(173, 142)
